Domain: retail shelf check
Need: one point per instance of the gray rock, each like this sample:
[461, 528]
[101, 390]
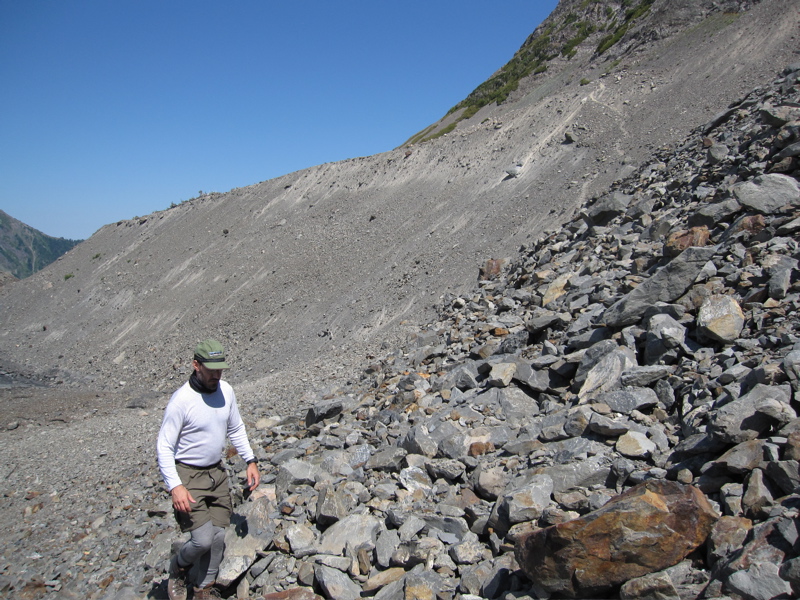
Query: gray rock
[609, 427]
[332, 505]
[251, 531]
[740, 420]
[643, 376]
[593, 471]
[666, 285]
[761, 581]
[538, 380]
[469, 552]
[780, 279]
[463, 377]
[354, 529]
[527, 503]
[388, 459]
[445, 468]
[296, 472]
[501, 374]
[302, 540]
[628, 399]
[418, 441]
[335, 584]
[635, 445]
[322, 411]
[768, 193]
[386, 545]
[653, 585]
[791, 365]
[606, 208]
[606, 374]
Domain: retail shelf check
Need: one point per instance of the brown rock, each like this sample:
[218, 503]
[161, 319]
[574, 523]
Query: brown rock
[727, 537]
[480, 448]
[753, 224]
[382, 579]
[650, 527]
[493, 267]
[679, 241]
[792, 451]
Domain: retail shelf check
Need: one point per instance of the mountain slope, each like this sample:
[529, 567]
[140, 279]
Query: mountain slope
[25, 250]
[311, 271]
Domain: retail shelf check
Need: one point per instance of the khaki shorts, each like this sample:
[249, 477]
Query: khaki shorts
[209, 488]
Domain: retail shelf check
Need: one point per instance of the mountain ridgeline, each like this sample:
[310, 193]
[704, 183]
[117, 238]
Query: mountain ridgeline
[25, 250]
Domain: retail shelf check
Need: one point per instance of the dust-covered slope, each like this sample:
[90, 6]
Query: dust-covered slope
[308, 272]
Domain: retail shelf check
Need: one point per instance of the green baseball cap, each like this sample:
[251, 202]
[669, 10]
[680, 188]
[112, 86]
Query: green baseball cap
[211, 354]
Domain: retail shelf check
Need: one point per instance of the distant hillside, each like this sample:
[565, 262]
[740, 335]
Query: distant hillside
[25, 250]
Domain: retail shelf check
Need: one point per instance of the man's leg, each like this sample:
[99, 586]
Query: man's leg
[219, 508]
[198, 523]
[211, 560]
[198, 545]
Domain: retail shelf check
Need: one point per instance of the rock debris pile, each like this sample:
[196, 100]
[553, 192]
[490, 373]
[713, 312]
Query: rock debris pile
[644, 356]
[612, 413]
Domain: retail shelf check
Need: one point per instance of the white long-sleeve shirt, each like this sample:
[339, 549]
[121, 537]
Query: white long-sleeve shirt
[194, 429]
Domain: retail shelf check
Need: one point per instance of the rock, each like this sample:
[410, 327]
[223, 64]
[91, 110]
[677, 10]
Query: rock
[652, 585]
[720, 318]
[293, 594]
[740, 420]
[635, 445]
[679, 241]
[662, 523]
[727, 536]
[754, 571]
[606, 208]
[323, 411]
[354, 529]
[628, 399]
[251, 530]
[501, 374]
[768, 193]
[606, 374]
[781, 273]
[335, 584]
[666, 285]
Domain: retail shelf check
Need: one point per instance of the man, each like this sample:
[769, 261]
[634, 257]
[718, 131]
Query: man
[197, 420]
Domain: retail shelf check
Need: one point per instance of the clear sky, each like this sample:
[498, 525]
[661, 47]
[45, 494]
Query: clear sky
[111, 109]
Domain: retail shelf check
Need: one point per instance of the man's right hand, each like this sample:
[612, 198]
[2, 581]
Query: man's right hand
[181, 499]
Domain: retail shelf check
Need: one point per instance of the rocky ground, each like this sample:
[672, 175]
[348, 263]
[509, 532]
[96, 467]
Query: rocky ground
[649, 346]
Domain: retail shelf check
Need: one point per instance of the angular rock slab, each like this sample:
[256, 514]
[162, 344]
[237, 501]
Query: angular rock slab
[742, 420]
[251, 530]
[650, 527]
[768, 193]
[666, 285]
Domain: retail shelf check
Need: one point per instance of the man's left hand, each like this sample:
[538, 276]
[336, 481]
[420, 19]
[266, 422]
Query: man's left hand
[253, 476]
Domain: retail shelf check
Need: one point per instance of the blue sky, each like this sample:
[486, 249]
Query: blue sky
[111, 109]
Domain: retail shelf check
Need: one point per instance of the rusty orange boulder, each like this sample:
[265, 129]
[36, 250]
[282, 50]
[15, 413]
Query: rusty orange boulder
[650, 527]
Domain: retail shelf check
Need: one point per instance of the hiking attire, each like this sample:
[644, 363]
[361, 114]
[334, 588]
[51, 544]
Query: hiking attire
[196, 423]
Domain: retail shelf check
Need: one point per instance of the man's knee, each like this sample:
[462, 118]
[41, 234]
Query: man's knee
[203, 537]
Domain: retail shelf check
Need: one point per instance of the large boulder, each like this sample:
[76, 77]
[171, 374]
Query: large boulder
[650, 527]
[768, 193]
